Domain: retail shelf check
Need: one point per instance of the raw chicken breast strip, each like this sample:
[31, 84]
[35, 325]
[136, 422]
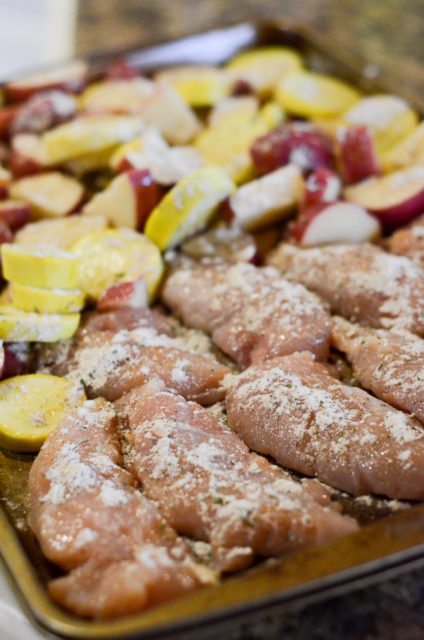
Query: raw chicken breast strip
[390, 363]
[91, 521]
[209, 486]
[361, 282]
[292, 409]
[110, 361]
[252, 313]
[409, 241]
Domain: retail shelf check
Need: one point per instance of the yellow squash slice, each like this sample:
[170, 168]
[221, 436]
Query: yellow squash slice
[262, 68]
[310, 95]
[188, 206]
[198, 86]
[46, 300]
[42, 265]
[32, 406]
[23, 326]
[117, 255]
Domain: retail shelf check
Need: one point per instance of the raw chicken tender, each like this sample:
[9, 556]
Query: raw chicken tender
[209, 486]
[90, 520]
[292, 409]
[409, 241]
[361, 282]
[252, 314]
[390, 363]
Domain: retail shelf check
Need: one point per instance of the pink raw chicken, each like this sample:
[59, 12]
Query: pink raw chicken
[210, 487]
[110, 361]
[390, 363]
[91, 521]
[292, 409]
[361, 282]
[409, 242]
[251, 313]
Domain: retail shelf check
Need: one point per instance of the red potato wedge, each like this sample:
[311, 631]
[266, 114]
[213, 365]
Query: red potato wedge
[168, 112]
[50, 195]
[60, 232]
[5, 181]
[43, 111]
[16, 358]
[127, 201]
[7, 115]
[133, 295]
[14, 213]
[267, 199]
[322, 186]
[395, 199]
[120, 70]
[299, 143]
[28, 155]
[1, 359]
[71, 77]
[358, 154]
[335, 222]
[119, 96]
[6, 234]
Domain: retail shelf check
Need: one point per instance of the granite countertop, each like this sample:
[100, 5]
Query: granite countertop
[389, 34]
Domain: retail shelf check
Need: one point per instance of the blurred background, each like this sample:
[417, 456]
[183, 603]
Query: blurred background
[33, 33]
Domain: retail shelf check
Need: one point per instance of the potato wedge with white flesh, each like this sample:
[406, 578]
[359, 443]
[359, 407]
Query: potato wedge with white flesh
[389, 118]
[262, 68]
[89, 134]
[166, 164]
[267, 199]
[395, 198]
[23, 326]
[128, 199]
[188, 207]
[32, 406]
[337, 222]
[60, 232]
[125, 295]
[166, 111]
[70, 77]
[308, 94]
[41, 265]
[198, 86]
[50, 195]
[28, 155]
[37, 300]
[116, 255]
[117, 96]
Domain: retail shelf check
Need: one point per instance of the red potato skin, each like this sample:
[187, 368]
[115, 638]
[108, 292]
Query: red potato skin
[315, 199]
[7, 115]
[147, 194]
[316, 188]
[14, 214]
[124, 165]
[13, 366]
[298, 227]
[20, 93]
[297, 142]
[38, 114]
[120, 296]
[400, 214]
[6, 234]
[120, 70]
[242, 88]
[358, 156]
[22, 166]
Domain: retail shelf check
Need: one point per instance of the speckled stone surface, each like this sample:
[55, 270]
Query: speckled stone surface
[389, 34]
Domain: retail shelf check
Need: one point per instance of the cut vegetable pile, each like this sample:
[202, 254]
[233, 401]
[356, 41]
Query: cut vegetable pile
[198, 277]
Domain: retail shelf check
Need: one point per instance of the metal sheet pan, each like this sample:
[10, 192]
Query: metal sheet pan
[386, 545]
